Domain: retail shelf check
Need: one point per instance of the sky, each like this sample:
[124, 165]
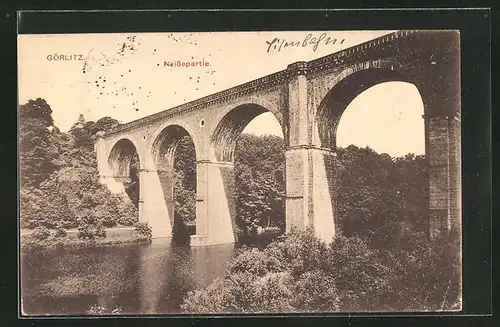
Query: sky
[123, 76]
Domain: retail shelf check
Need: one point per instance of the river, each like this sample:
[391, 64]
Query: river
[139, 278]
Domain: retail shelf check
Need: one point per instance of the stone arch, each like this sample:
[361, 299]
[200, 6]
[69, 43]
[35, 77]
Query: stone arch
[165, 144]
[124, 164]
[442, 130]
[166, 140]
[344, 91]
[232, 124]
[120, 157]
[163, 151]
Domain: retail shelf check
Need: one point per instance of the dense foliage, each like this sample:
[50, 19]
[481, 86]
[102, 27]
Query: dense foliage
[144, 229]
[381, 259]
[59, 179]
[299, 273]
[185, 181]
[380, 198]
[260, 182]
[37, 152]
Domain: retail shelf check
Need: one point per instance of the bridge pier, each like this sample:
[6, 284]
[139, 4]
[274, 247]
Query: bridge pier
[444, 159]
[152, 207]
[166, 178]
[310, 191]
[214, 203]
[309, 184]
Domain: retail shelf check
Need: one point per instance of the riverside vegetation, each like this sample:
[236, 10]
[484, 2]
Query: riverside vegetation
[60, 186]
[381, 259]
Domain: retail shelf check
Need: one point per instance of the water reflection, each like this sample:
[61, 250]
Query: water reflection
[139, 278]
[207, 265]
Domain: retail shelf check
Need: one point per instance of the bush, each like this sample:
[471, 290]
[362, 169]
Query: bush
[60, 232]
[208, 300]
[271, 280]
[363, 280]
[143, 229]
[69, 224]
[300, 273]
[29, 244]
[315, 291]
[257, 263]
[302, 251]
[90, 228]
[272, 293]
[40, 233]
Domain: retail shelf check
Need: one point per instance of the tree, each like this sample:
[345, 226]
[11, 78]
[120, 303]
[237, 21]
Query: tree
[379, 197]
[259, 180]
[133, 187]
[37, 154]
[86, 134]
[37, 109]
[102, 125]
[185, 180]
[60, 180]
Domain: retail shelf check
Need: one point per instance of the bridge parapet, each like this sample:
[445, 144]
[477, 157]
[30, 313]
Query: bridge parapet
[353, 54]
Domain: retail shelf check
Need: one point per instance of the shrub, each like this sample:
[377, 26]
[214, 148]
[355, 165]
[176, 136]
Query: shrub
[315, 291]
[143, 229]
[300, 273]
[40, 233]
[242, 292]
[209, 300]
[90, 228]
[302, 251]
[256, 262]
[108, 223]
[363, 280]
[29, 244]
[286, 276]
[69, 224]
[272, 293]
[60, 232]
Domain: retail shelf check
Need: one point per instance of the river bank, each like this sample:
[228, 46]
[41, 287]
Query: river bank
[117, 235]
[31, 242]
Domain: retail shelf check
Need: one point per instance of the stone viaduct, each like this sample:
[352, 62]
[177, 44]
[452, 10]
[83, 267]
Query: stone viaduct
[308, 99]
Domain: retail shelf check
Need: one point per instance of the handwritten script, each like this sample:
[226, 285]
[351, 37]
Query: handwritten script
[278, 44]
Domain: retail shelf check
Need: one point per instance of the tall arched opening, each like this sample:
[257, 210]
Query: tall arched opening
[174, 155]
[430, 172]
[249, 138]
[123, 162]
[381, 168]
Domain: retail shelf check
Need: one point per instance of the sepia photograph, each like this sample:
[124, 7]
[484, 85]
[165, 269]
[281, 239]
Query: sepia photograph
[240, 172]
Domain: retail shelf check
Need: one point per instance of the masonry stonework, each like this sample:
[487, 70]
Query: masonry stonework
[308, 99]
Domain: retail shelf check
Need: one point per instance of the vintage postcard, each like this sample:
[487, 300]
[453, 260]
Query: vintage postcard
[240, 172]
